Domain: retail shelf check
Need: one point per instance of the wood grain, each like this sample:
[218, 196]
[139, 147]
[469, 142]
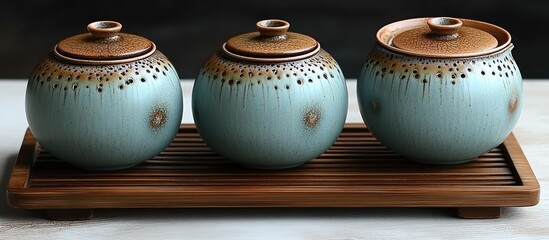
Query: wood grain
[357, 171]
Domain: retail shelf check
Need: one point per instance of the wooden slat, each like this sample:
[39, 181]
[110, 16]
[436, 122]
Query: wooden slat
[356, 171]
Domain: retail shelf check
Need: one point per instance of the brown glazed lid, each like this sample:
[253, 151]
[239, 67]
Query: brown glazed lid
[103, 44]
[271, 43]
[443, 37]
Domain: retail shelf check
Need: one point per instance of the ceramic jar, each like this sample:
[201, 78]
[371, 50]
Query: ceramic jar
[440, 90]
[104, 100]
[270, 99]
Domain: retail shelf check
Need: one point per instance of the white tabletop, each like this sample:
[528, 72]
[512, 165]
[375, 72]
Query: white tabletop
[532, 133]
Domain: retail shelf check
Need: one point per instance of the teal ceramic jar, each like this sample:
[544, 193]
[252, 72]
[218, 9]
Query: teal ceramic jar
[440, 90]
[270, 99]
[104, 100]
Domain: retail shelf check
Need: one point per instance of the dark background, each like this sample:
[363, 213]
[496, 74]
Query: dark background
[187, 32]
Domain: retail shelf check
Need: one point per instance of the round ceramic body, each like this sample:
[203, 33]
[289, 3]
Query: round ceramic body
[270, 115]
[104, 117]
[440, 110]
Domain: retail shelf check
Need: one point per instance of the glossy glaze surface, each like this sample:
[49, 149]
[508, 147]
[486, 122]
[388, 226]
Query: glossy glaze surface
[440, 111]
[270, 115]
[104, 117]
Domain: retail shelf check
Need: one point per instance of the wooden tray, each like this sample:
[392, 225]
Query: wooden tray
[357, 171]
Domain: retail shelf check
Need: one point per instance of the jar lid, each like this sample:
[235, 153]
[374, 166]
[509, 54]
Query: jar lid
[271, 43]
[443, 37]
[103, 44]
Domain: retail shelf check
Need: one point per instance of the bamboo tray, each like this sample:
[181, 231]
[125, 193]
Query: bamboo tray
[357, 171]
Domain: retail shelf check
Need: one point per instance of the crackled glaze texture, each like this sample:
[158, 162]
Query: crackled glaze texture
[440, 111]
[105, 117]
[270, 116]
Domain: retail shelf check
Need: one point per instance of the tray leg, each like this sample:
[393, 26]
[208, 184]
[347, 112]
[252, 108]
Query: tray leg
[69, 214]
[479, 212]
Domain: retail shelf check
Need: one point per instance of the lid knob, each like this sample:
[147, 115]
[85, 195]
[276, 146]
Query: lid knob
[444, 26]
[104, 29]
[272, 27]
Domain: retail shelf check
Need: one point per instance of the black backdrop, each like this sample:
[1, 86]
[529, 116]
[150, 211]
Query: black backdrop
[187, 32]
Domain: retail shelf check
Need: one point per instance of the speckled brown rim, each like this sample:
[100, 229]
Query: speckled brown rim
[385, 35]
[102, 62]
[270, 60]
